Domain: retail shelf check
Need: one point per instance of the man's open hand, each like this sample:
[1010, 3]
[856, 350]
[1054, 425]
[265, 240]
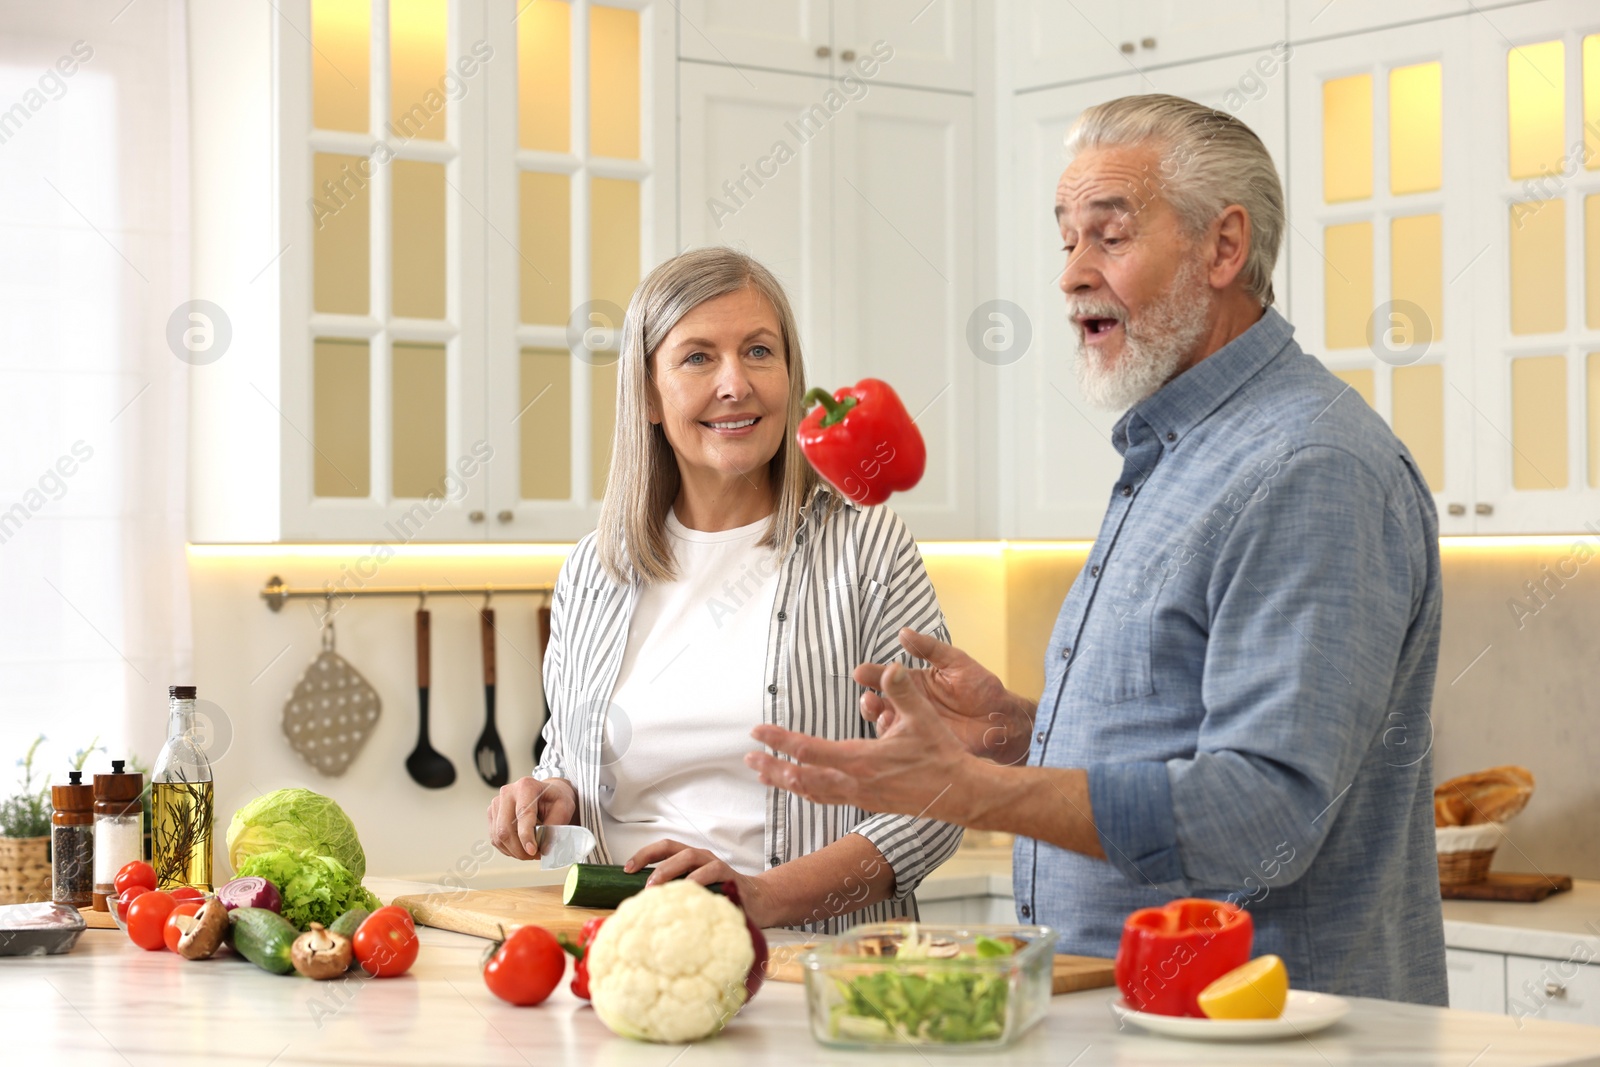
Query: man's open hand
[916, 766]
[989, 719]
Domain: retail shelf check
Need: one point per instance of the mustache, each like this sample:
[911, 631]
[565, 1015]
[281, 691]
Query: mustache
[1095, 307]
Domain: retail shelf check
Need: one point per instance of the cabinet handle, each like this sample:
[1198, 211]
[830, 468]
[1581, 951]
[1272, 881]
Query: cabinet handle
[474, 516]
[1457, 509]
[1484, 509]
[1148, 42]
[505, 516]
[823, 51]
[1126, 48]
[848, 55]
[1554, 989]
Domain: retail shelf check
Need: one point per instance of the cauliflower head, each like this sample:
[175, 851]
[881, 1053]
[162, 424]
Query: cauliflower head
[670, 965]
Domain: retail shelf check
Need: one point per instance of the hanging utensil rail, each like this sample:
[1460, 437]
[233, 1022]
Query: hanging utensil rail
[277, 594]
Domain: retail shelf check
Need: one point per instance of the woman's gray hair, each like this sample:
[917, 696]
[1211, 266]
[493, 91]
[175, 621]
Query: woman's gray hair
[1209, 161]
[643, 481]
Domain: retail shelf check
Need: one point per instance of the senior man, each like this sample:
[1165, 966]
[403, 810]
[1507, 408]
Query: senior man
[1237, 686]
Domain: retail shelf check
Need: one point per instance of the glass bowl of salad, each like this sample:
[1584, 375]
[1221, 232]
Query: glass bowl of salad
[929, 985]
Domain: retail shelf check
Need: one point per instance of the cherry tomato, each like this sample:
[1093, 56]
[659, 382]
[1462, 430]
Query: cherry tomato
[169, 930]
[386, 943]
[187, 893]
[119, 905]
[147, 919]
[134, 872]
[526, 967]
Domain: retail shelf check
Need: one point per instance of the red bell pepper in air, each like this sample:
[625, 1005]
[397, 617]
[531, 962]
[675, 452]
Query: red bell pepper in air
[862, 442]
[1169, 954]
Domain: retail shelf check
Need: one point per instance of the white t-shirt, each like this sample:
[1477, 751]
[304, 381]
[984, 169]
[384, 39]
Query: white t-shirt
[687, 696]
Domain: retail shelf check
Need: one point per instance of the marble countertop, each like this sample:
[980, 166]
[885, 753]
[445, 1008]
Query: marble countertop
[1563, 926]
[110, 1003]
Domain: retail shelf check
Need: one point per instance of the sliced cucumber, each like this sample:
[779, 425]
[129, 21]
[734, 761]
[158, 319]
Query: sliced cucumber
[602, 885]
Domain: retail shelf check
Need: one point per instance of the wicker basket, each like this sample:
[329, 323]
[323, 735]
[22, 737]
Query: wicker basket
[24, 869]
[1465, 852]
[1464, 868]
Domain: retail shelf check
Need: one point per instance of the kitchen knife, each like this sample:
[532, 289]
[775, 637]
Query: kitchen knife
[562, 846]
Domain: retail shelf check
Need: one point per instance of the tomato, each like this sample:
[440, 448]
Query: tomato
[119, 904]
[147, 919]
[188, 892]
[386, 943]
[525, 967]
[169, 930]
[134, 872]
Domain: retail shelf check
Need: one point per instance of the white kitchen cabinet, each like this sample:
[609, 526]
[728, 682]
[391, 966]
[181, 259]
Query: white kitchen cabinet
[1403, 282]
[1328, 18]
[864, 213]
[1381, 238]
[1061, 463]
[1536, 288]
[932, 41]
[1055, 43]
[1477, 980]
[1555, 990]
[371, 259]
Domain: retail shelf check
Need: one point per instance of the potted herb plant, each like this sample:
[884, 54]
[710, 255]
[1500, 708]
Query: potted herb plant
[25, 838]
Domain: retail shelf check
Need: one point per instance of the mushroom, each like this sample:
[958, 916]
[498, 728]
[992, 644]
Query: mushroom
[202, 933]
[320, 953]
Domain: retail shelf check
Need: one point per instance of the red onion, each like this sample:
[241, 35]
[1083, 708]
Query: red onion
[250, 893]
[758, 941]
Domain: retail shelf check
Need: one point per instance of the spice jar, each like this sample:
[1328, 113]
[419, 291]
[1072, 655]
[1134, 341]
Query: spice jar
[118, 828]
[72, 842]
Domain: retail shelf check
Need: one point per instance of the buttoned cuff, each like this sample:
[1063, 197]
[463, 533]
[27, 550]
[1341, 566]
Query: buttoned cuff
[1132, 804]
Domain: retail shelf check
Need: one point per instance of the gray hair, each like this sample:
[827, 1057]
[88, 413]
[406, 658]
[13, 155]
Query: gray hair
[643, 481]
[1210, 160]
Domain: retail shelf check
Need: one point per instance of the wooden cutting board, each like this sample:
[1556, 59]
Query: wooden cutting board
[1520, 888]
[483, 912]
[1071, 973]
[98, 920]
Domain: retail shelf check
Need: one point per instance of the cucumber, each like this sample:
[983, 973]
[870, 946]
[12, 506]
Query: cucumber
[263, 937]
[348, 923]
[600, 885]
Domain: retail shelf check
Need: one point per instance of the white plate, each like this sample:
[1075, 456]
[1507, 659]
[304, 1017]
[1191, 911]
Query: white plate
[1305, 1013]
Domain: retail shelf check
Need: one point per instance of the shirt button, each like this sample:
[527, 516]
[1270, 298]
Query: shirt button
[1025, 911]
[1094, 572]
[782, 615]
[772, 688]
[1127, 490]
[800, 538]
[1066, 653]
[1172, 436]
[1039, 737]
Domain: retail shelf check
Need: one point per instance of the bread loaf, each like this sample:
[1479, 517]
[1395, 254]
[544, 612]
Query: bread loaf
[1494, 795]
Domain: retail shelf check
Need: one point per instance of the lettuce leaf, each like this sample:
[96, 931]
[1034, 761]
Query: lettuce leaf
[295, 819]
[314, 888]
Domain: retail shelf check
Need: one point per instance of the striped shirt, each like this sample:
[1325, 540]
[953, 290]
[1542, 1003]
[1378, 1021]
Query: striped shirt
[846, 586]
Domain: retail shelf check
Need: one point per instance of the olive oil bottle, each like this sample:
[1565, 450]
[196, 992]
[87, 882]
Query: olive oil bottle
[182, 803]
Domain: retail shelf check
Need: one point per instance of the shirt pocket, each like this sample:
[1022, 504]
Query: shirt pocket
[874, 595]
[1116, 650]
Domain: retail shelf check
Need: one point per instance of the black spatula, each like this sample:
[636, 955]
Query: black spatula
[427, 767]
[490, 755]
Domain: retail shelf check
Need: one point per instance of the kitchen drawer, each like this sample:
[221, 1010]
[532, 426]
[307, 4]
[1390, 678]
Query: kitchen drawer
[1558, 990]
[1477, 980]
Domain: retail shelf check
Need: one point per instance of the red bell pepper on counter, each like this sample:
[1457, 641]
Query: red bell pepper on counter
[862, 442]
[580, 952]
[1169, 954]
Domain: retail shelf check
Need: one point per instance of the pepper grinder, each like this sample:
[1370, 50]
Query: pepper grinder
[118, 828]
[72, 842]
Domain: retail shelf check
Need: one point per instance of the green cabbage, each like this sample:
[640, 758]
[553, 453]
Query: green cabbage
[314, 888]
[295, 819]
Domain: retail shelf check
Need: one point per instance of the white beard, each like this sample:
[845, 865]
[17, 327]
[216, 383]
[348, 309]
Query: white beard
[1155, 344]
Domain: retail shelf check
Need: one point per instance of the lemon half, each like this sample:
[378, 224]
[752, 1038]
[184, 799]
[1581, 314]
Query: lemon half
[1257, 990]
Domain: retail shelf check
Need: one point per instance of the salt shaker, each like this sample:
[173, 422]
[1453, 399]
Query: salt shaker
[118, 828]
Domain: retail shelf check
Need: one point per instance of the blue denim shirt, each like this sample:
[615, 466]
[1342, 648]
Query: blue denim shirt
[1245, 667]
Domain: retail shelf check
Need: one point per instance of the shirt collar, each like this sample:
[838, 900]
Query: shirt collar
[1183, 403]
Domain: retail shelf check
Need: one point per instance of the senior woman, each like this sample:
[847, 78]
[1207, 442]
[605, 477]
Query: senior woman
[727, 586]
